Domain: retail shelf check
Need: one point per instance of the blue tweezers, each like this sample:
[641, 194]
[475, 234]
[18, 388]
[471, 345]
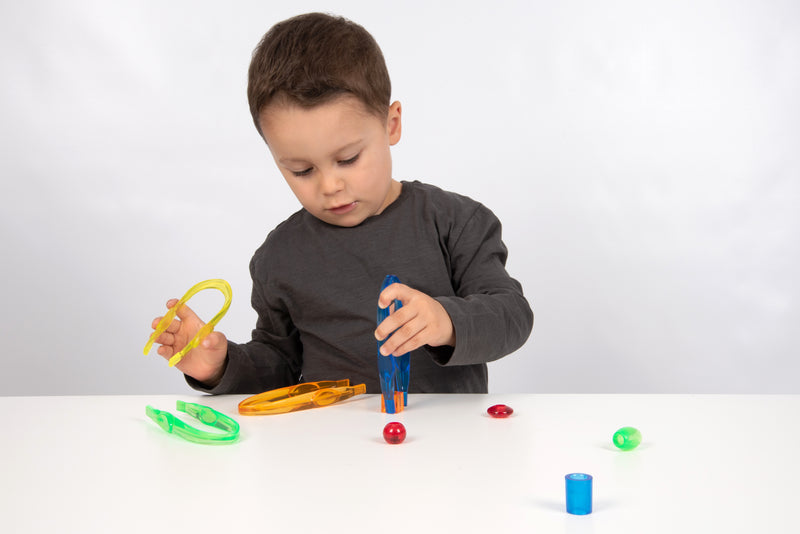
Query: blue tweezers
[393, 371]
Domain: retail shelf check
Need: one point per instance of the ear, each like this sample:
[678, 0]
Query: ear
[393, 123]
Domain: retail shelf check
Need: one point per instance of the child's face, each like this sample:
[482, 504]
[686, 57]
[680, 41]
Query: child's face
[335, 157]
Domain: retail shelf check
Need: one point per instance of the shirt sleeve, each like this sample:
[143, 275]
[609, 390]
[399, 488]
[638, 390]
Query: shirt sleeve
[272, 359]
[490, 314]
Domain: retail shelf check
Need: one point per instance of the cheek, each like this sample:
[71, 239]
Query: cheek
[381, 165]
[302, 190]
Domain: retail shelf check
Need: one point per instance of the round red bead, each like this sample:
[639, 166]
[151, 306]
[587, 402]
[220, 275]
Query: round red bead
[394, 433]
[500, 411]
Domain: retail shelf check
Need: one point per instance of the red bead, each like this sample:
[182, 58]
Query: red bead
[394, 433]
[500, 411]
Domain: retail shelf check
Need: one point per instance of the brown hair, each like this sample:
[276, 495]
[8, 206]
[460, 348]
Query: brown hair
[313, 58]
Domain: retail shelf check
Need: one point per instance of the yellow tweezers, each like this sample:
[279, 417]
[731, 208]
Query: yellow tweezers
[206, 329]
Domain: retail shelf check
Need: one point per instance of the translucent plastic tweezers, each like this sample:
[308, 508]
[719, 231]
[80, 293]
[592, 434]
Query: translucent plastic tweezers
[217, 283]
[394, 372]
[300, 397]
[204, 414]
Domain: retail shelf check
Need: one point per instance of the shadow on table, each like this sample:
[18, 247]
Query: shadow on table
[560, 506]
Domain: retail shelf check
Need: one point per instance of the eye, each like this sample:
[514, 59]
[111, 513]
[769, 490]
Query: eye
[350, 161]
[304, 172]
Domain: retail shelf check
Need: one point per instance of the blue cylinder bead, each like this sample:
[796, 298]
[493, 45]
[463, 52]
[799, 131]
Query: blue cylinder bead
[579, 493]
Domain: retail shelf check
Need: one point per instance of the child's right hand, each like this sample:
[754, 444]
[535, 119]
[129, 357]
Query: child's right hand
[206, 362]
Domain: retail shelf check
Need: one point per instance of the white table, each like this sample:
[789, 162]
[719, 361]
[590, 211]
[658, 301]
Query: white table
[707, 464]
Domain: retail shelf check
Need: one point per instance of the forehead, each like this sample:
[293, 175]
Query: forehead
[345, 106]
[289, 128]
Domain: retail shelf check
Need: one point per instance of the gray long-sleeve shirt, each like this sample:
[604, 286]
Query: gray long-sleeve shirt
[316, 286]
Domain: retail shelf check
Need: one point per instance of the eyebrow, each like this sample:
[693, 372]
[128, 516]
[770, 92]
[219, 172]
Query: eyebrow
[344, 148]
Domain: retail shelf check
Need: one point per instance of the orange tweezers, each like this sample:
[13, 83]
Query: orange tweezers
[300, 397]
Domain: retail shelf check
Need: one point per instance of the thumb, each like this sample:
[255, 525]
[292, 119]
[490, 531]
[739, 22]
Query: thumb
[214, 340]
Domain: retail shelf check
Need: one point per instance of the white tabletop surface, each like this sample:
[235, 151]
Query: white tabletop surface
[707, 463]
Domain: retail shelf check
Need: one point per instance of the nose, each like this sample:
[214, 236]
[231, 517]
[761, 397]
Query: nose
[330, 183]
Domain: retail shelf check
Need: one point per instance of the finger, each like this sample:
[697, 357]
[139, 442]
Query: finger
[406, 336]
[393, 322]
[165, 351]
[165, 338]
[172, 328]
[412, 343]
[185, 313]
[394, 292]
[418, 334]
[157, 320]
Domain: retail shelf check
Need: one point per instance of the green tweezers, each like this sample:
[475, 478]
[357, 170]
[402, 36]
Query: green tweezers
[204, 414]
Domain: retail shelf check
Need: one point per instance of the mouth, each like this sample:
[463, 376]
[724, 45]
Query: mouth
[343, 208]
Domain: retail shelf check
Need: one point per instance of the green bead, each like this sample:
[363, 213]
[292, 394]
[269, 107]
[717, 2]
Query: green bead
[627, 438]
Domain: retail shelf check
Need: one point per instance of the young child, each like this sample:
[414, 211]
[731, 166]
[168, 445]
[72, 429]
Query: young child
[319, 94]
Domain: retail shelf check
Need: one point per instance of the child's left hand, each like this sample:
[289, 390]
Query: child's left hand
[421, 321]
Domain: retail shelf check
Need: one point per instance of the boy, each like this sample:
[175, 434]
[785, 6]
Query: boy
[319, 94]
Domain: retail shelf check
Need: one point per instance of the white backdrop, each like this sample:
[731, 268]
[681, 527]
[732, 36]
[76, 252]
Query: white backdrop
[643, 157]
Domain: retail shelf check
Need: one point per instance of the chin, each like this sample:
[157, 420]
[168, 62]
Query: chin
[344, 222]
[348, 223]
